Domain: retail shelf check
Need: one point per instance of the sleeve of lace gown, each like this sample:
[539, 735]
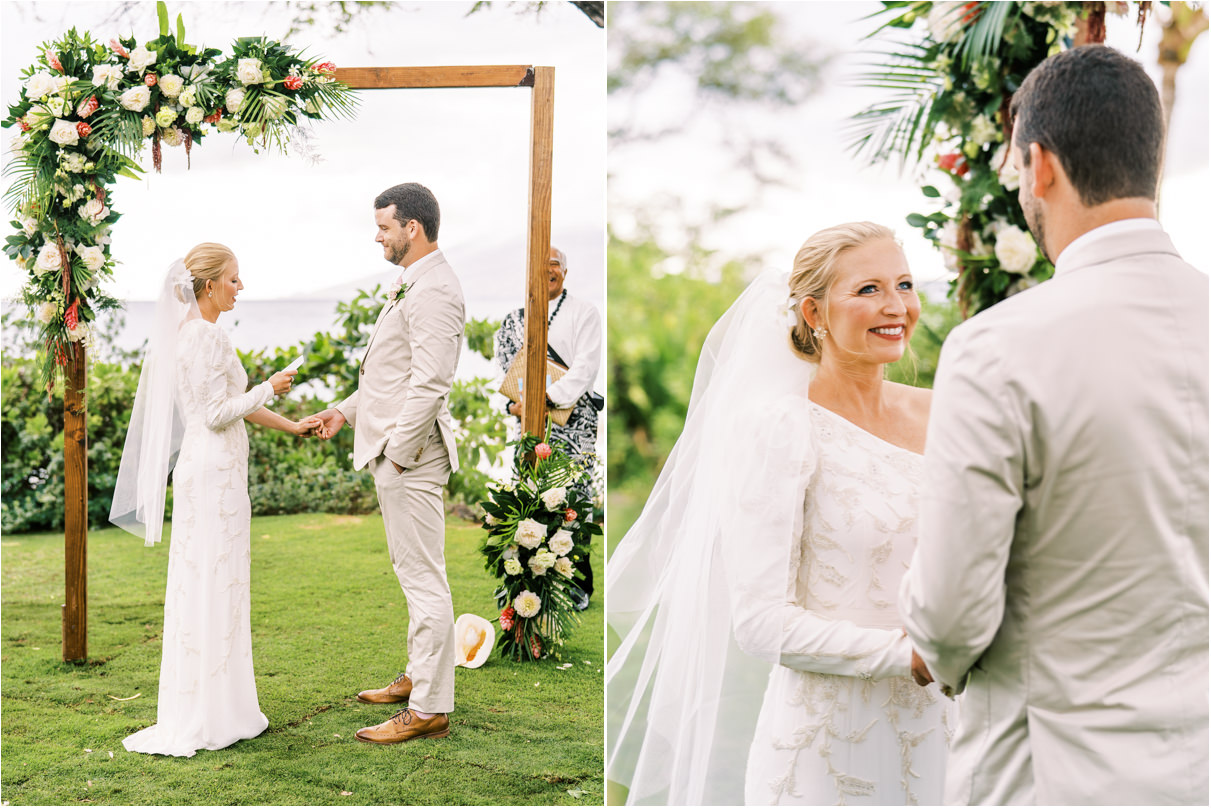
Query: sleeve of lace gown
[207, 373]
[760, 548]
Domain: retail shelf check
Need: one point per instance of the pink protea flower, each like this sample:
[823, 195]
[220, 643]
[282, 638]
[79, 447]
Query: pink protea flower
[543, 451]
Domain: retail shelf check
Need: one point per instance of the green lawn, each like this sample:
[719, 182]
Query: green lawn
[328, 620]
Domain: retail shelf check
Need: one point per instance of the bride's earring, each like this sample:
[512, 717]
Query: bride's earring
[819, 333]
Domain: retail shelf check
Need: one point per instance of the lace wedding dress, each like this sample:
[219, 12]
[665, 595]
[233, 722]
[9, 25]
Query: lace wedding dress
[207, 694]
[842, 721]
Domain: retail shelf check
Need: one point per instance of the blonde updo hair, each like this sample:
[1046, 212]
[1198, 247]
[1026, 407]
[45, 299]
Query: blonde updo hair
[206, 262]
[815, 272]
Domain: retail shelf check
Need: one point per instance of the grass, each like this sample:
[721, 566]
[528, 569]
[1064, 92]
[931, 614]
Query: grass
[328, 619]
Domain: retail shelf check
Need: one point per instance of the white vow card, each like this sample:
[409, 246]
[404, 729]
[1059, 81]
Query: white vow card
[295, 364]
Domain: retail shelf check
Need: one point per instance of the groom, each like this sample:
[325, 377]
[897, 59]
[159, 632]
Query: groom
[402, 429]
[1061, 572]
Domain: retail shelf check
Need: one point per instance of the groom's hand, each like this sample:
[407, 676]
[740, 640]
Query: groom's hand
[920, 673]
[332, 423]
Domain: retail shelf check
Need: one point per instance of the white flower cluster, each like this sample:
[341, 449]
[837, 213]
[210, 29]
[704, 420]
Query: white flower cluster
[554, 498]
[527, 604]
[1015, 249]
[249, 71]
[530, 533]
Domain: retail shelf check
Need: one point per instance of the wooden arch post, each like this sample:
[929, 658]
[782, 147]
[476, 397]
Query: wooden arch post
[538, 246]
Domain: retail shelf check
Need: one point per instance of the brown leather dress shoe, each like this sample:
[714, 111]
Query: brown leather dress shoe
[405, 726]
[397, 691]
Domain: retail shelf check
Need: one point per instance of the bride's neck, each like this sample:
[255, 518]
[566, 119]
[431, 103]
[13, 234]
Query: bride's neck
[209, 311]
[849, 389]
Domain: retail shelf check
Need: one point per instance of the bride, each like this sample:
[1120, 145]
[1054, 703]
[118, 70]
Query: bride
[761, 657]
[189, 412]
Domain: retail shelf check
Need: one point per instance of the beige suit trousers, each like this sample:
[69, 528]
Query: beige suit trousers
[415, 521]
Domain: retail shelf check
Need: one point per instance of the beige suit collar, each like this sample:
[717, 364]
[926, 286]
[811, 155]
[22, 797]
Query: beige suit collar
[1111, 243]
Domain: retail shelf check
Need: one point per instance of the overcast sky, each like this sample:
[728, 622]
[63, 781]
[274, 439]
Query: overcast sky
[306, 229]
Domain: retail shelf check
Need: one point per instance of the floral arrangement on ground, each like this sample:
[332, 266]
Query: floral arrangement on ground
[87, 110]
[537, 526]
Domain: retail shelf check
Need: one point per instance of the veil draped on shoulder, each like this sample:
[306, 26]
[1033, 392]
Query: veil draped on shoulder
[698, 588]
[154, 435]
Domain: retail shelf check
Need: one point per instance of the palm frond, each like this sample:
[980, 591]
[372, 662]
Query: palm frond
[984, 36]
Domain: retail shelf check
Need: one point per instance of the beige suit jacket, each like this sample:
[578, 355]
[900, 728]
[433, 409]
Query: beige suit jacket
[1062, 560]
[408, 370]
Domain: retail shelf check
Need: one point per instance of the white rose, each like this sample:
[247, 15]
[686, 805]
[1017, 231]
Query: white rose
[171, 85]
[79, 332]
[553, 498]
[135, 99]
[510, 552]
[1007, 172]
[1015, 249]
[64, 133]
[93, 257]
[194, 115]
[49, 259]
[94, 211]
[107, 76]
[530, 533]
[561, 543]
[527, 604]
[542, 561]
[564, 567]
[248, 71]
[39, 86]
[512, 566]
[73, 162]
[188, 97]
[233, 100]
[47, 311]
[140, 59]
[29, 225]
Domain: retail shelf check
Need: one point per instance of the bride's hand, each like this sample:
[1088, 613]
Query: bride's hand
[307, 426]
[920, 673]
[281, 381]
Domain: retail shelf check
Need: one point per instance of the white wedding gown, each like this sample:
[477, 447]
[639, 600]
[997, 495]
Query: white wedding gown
[207, 694]
[842, 721]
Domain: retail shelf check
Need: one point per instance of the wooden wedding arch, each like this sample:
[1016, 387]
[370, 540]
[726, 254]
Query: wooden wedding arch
[541, 81]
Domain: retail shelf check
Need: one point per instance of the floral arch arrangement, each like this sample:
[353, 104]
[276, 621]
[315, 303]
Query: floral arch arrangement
[86, 112]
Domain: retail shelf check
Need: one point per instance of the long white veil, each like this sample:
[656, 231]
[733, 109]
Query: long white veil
[154, 435]
[698, 588]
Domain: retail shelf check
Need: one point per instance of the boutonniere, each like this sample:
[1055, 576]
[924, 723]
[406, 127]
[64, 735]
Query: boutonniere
[396, 291]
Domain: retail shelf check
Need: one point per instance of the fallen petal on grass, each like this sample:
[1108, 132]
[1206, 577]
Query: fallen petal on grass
[575, 793]
[128, 698]
[346, 793]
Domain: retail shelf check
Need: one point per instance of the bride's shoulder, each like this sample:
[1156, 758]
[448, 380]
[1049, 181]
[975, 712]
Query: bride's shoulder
[914, 400]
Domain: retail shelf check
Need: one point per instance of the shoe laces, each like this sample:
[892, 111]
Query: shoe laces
[404, 717]
[399, 678]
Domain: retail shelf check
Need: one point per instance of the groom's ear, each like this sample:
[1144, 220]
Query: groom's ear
[1043, 167]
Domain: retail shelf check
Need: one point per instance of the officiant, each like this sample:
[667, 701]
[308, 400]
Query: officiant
[573, 341]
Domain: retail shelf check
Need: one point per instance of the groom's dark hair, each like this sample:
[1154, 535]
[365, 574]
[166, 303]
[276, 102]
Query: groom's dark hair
[412, 201]
[1100, 114]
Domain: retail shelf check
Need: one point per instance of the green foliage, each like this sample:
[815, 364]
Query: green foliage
[327, 620]
[656, 327]
[285, 474]
[920, 363]
[480, 335]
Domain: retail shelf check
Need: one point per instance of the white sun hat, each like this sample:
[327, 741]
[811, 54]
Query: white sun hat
[473, 640]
